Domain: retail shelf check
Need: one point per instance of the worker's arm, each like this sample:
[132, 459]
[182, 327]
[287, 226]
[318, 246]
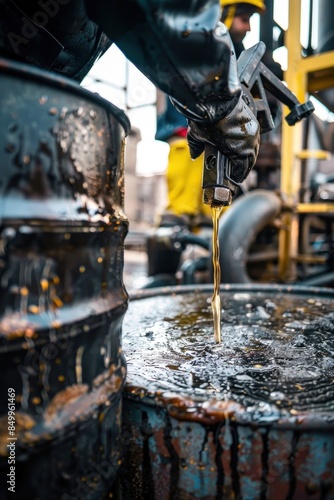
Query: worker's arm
[179, 46]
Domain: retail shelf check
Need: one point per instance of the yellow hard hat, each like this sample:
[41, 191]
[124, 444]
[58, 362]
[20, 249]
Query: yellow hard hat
[258, 4]
[230, 9]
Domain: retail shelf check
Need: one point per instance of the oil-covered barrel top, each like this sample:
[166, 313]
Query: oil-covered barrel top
[276, 357]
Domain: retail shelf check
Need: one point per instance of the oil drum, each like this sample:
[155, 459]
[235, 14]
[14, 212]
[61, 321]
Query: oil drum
[62, 298]
[248, 418]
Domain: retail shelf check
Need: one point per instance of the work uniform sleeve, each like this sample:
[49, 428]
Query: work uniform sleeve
[180, 46]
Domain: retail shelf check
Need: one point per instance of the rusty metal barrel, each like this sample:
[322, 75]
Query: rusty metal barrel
[250, 418]
[62, 298]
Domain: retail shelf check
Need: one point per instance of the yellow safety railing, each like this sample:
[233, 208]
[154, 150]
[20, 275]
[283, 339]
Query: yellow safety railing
[303, 76]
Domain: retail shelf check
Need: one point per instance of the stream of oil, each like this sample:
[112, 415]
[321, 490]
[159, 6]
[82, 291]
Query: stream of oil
[215, 301]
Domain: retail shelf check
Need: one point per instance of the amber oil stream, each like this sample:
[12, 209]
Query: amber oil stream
[215, 301]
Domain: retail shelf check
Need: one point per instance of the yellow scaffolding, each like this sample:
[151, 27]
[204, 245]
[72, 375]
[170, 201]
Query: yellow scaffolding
[303, 76]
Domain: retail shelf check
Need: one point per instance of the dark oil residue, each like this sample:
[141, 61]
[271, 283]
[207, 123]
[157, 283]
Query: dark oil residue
[276, 355]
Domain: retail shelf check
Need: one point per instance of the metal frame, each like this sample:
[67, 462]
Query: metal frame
[304, 75]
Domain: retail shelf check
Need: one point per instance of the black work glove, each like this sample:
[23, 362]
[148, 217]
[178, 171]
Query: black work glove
[237, 136]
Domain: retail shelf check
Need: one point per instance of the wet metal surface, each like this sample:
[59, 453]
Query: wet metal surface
[251, 417]
[62, 297]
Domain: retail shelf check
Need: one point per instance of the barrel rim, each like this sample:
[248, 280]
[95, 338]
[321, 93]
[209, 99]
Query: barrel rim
[61, 82]
[304, 422]
[301, 290]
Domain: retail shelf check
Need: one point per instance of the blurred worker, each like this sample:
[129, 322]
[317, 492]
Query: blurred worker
[184, 175]
[236, 17]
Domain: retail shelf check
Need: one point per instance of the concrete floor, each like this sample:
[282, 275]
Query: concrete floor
[135, 256]
[136, 261]
[135, 269]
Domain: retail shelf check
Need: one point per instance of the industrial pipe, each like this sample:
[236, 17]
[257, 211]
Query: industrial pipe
[239, 227]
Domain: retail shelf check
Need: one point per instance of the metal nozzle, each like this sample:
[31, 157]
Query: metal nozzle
[217, 188]
[217, 196]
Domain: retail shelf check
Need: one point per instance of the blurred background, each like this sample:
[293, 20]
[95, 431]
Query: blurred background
[299, 37]
[119, 81]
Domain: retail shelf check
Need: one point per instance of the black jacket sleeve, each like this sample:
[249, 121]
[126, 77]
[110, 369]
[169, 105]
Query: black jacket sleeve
[180, 46]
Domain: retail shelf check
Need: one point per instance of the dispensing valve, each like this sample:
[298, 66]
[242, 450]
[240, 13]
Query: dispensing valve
[218, 189]
[255, 77]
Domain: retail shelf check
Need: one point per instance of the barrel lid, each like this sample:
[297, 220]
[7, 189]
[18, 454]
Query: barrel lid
[275, 364]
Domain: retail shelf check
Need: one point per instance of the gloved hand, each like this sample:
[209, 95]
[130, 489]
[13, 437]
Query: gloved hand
[237, 136]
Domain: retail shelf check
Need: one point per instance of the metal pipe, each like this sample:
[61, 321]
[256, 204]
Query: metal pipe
[318, 280]
[239, 228]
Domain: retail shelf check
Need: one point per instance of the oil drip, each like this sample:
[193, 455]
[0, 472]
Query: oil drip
[216, 212]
